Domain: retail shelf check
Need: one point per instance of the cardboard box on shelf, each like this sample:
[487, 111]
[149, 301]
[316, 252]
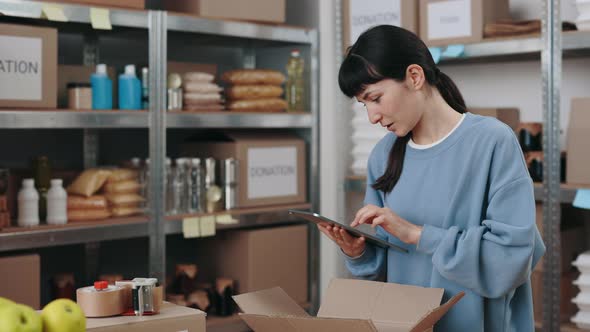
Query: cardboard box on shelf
[510, 116]
[271, 165]
[28, 66]
[358, 17]
[568, 292]
[445, 22]
[573, 236]
[134, 4]
[186, 67]
[349, 305]
[273, 11]
[21, 279]
[170, 318]
[578, 134]
[260, 259]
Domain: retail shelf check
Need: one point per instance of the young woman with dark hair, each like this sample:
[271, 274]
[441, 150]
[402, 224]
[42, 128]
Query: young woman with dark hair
[450, 186]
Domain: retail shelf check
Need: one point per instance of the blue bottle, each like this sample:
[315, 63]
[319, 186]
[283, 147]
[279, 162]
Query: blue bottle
[129, 90]
[102, 89]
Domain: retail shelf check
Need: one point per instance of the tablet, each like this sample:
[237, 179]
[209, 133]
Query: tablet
[317, 219]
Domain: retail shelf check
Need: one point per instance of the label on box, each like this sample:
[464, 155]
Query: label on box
[272, 172]
[449, 19]
[21, 68]
[363, 15]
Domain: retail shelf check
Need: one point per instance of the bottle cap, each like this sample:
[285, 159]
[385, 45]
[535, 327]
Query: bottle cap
[130, 70]
[295, 53]
[101, 69]
[28, 183]
[56, 182]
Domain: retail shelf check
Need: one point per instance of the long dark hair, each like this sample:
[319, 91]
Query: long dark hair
[386, 51]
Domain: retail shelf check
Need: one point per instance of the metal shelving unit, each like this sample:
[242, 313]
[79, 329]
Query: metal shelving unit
[157, 25]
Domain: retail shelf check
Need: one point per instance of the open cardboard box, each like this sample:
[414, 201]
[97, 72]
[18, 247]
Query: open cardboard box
[349, 305]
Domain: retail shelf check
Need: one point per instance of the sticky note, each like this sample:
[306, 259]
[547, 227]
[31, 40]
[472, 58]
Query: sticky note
[191, 227]
[435, 52]
[53, 13]
[453, 51]
[225, 219]
[100, 19]
[582, 199]
[208, 226]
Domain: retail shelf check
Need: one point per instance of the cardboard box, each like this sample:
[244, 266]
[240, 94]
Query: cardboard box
[135, 4]
[185, 67]
[272, 166]
[28, 66]
[573, 236]
[510, 116]
[172, 318]
[349, 305]
[568, 292]
[445, 22]
[273, 11]
[357, 17]
[21, 279]
[578, 134]
[260, 259]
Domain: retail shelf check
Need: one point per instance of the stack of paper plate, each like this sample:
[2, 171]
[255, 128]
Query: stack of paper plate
[582, 318]
[364, 137]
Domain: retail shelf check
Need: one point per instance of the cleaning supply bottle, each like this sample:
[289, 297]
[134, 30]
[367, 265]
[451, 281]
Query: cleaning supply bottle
[295, 84]
[102, 89]
[28, 204]
[57, 203]
[129, 90]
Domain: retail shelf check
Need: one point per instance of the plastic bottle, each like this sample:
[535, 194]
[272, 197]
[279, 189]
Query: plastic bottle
[102, 89]
[28, 204]
[57, 203]
[129, 90]
[295, 88]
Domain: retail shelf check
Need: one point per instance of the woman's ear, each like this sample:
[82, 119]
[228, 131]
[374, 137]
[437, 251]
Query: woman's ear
[415, 78]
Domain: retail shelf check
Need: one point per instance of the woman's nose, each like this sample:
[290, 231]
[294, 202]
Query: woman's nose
[374, 116]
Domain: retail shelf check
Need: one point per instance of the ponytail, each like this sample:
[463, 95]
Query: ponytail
[395, 163]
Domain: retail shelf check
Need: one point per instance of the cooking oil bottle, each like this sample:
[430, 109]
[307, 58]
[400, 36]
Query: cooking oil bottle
[295, 85]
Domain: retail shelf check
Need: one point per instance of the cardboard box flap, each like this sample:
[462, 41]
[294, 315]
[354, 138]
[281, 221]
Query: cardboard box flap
[269, 302]
[346, 298]
[580, 113]
[384, 302]
[435, 315]
[260, 323]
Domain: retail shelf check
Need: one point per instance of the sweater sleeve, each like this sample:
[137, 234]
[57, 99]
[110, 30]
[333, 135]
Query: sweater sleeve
[371, 264]
[497, 256]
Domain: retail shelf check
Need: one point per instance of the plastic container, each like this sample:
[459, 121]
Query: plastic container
[102, 89]
[582, 320]
[28, 204]
[129, 90]
[295, 86]
[582, 301]
[582, 263]
[583, 283]
[57, 203]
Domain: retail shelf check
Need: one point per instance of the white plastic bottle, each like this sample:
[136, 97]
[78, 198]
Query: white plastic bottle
[57, 203]
[28, 204]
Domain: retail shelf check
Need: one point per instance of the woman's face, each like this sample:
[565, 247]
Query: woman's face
[392, 104]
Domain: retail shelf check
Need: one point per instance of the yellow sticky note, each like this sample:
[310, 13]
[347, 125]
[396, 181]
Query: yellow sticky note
[208, 226]
[100, 19]
[53, 13]
[191, 227]
[226, 219]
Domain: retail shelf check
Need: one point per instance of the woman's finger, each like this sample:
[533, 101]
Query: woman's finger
[346, 238]
[378, 221]
[368, 216]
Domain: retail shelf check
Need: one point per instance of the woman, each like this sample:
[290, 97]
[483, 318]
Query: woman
[450, 186]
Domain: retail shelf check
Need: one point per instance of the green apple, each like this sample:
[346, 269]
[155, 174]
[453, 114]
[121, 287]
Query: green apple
[4, 301]
[63, 315]
[19, 318]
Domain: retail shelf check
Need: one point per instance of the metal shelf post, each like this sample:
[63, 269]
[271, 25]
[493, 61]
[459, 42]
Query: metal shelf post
[551, 75]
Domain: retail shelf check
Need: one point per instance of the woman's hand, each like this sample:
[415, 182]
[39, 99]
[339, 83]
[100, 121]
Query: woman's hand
[351, 246]
[391, 223]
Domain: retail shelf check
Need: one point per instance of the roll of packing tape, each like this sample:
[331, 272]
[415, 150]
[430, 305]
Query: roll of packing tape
[101, 303]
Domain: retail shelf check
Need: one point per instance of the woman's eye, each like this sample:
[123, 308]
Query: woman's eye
[376, 100]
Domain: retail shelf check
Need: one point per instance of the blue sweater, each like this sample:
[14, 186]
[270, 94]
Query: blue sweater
[474, 198]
